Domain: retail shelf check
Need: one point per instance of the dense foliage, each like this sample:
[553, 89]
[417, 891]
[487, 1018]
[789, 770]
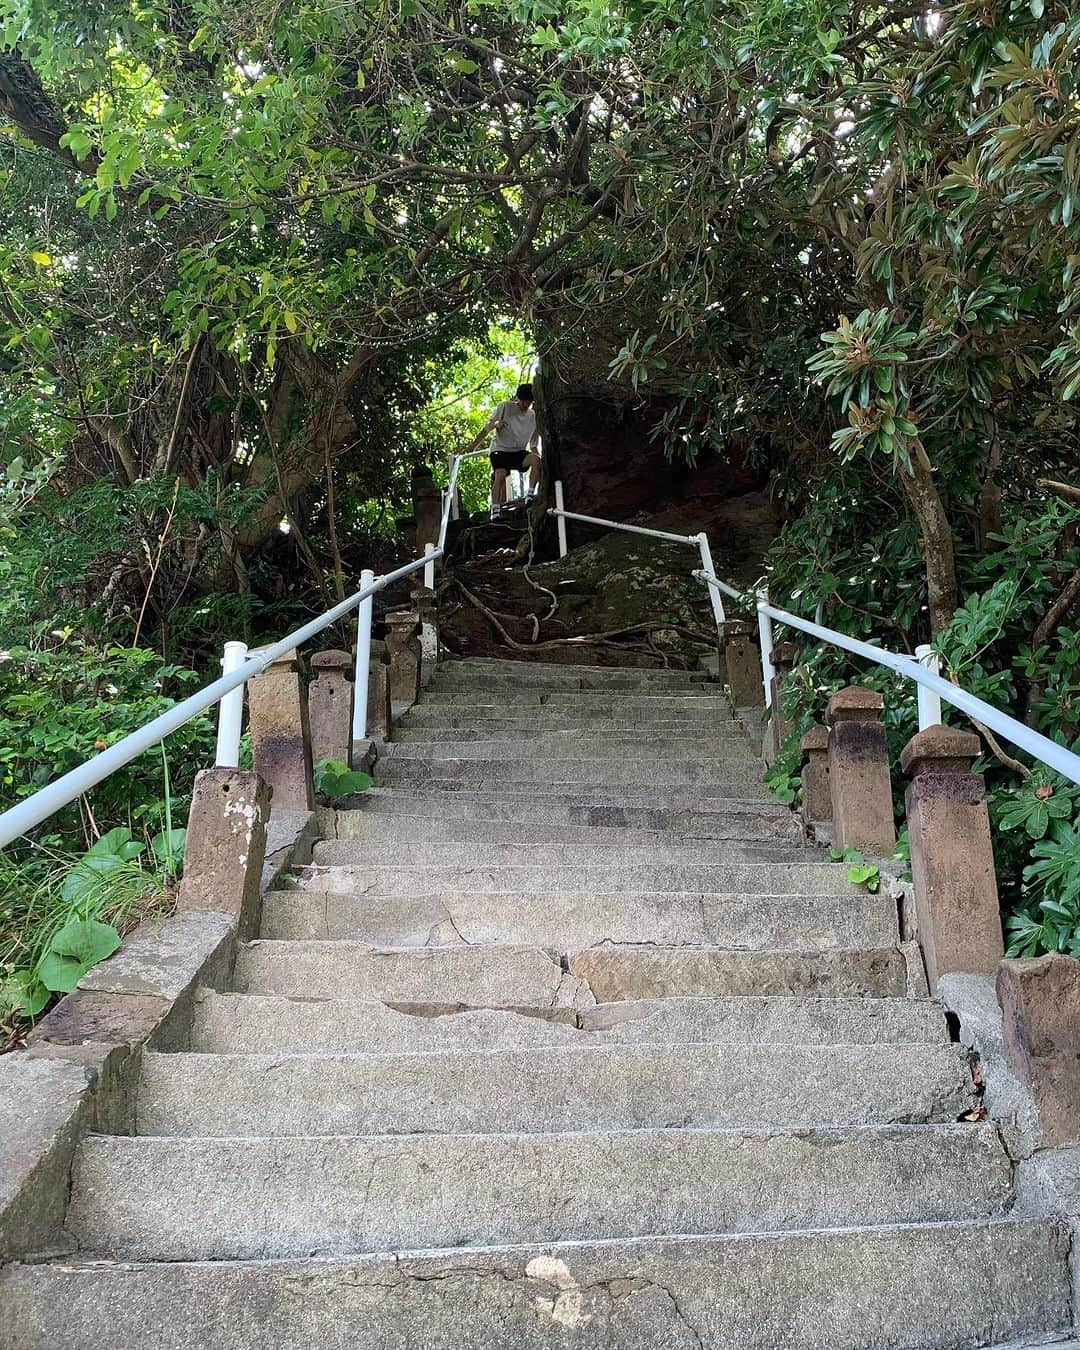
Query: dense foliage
[260, 261]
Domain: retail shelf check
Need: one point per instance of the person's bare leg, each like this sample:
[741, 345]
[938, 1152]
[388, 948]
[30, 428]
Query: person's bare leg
[532, 463]
[498, 487]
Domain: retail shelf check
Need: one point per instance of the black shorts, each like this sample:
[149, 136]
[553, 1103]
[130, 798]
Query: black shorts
[508, 459]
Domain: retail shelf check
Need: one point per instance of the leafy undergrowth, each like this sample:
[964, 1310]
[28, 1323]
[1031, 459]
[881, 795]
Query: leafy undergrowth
[62, 914]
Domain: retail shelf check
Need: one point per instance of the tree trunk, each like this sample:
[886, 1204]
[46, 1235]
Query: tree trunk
[941, 586]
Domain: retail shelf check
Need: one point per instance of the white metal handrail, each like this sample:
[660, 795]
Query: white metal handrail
[63, 791]
[1032, 742]
[698, 541]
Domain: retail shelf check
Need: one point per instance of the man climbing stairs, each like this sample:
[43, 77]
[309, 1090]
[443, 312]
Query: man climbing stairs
[562, 1040]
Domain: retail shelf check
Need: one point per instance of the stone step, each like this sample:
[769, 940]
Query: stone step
[709, 699]
[567, 745]
[575, 919]
[380, 830]
[549, 1089]
[453, 677]
[490, 854]
[613, 973]
[710, 777]
[545, 876]
[556, 668]
[567, 715]
[249, 1199]
[529, 977]
[900, 1287]
[594, 736]
[253, 1023]
[700, 818]
[484, 977]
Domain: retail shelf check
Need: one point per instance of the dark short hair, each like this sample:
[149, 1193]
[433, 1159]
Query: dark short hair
[525, 392]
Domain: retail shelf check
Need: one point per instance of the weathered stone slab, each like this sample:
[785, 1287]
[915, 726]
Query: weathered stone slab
[165, 957]
[934, 1287]
[249, 1199]
[43, 1111]
[252, 1023]
[504, 976]
[553, 1089]
[581, 919]
[644, 972]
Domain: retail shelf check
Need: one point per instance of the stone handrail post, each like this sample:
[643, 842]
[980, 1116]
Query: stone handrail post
[859, 784]
[403, 647]
[952, 859]
[816, 801]
[226, 845]
[424, 602]
[281, 735]
[1040, 1004]
[330, 696]
[379, 722]
[743, 665]
[784, 656]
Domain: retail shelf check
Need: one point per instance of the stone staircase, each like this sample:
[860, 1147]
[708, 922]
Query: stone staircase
[563, 1040]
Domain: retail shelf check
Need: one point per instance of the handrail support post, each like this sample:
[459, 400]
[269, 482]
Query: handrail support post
[702, 541]
[560, 520]
[363, 659]
[231, 710]
[929, 702]
[765, 641]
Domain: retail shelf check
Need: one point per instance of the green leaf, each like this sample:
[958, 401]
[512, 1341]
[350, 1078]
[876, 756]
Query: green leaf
[73, 950]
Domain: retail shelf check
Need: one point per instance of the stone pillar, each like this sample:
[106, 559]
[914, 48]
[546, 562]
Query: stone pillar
[424, 603]
[378, 695]
[816, 802]
[330, 706]
[952, 860]
[427, 509]
[403, 646]
[281, 736]
[225, 847]
[1040, 1005]
[743, 665]
[859, 785]
[784, 656]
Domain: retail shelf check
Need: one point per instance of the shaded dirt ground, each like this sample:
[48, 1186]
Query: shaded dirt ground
[616, 599]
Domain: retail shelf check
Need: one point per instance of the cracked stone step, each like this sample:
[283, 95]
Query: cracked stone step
[581, 919]
[487, 853]
[704, 819]
[540, 776]
[566, 744]
[554, 1088]
[483, 976]
[252, 1023]
[901, 1287]
[527, 977]
[374, 829]
[543, 876]
[246, 1199]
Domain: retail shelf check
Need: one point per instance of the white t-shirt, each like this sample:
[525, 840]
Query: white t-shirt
[519, 429]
